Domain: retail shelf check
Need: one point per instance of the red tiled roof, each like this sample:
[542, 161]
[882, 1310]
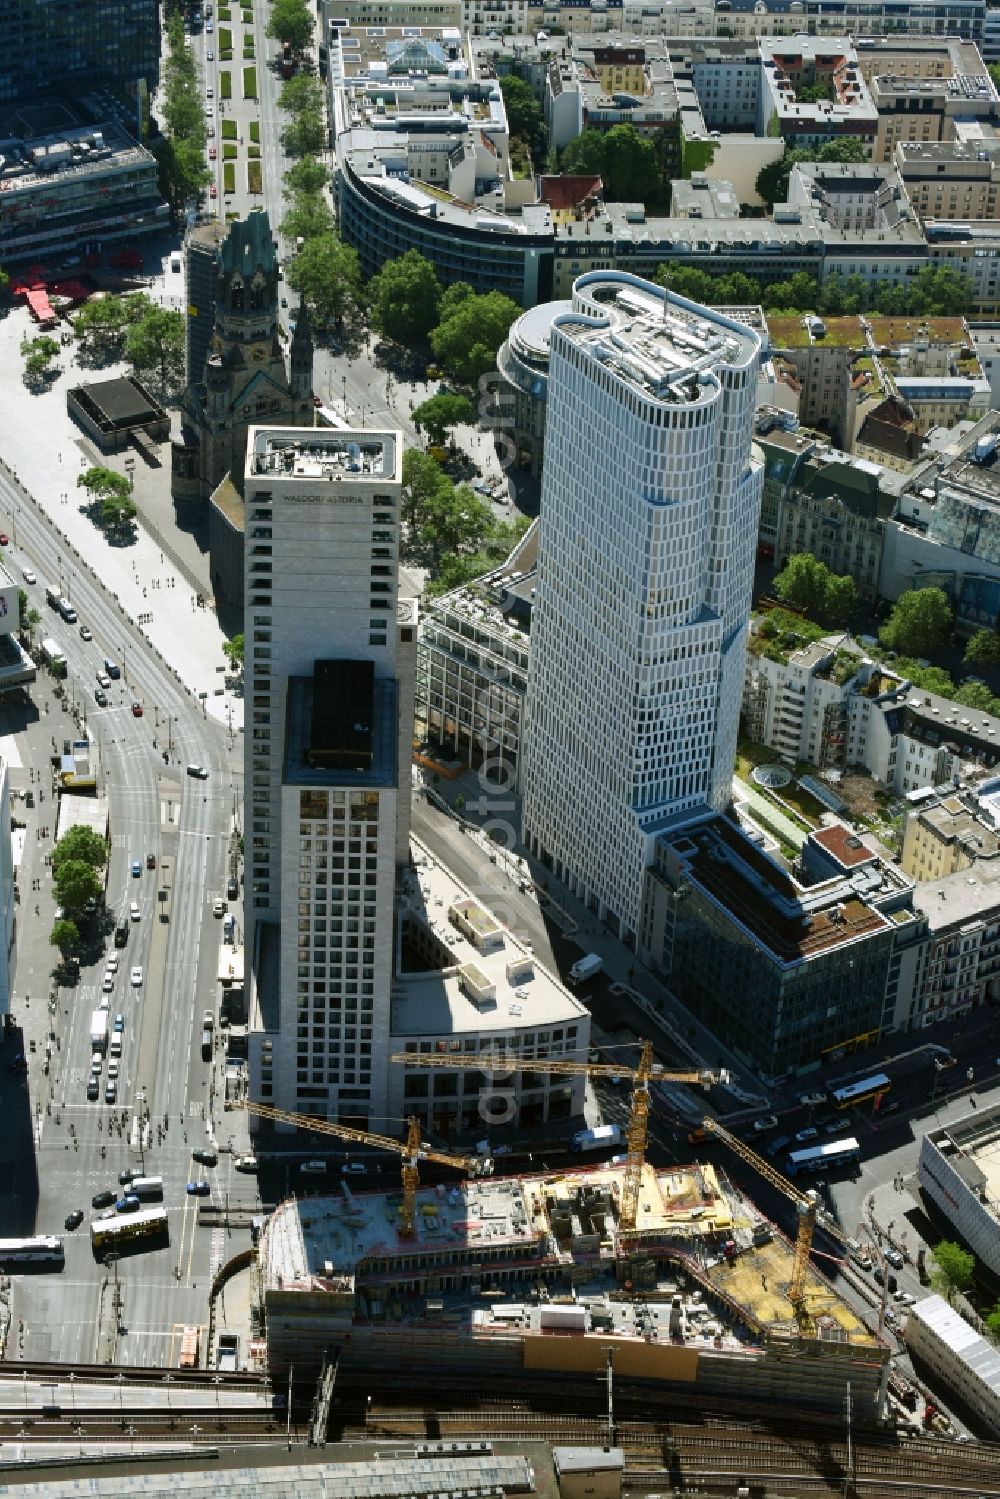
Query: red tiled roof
[569, 192]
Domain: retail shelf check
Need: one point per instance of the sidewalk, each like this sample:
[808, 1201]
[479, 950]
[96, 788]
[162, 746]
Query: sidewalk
[45, 451]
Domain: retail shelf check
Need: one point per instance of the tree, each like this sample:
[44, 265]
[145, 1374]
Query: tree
[403, 298]
[80, 842]
[118, 513]
[302, 94]
[440, 518]
[841, 602]
[439, 414]
[939, 291]
[327, 274]
[524, 113]
[39, 354]
[305, 176]
[180, 152]
[803, 583]
[291, 22]
[630, 171]
[983, 649]
[234, 651]
[102, 482]
[976, 695]
[920, 623]
[304, 135]
[76, 885]
[467, 340]
[310, 217]
[154, 344]
[953, 1269]
[772, 180]
[65, 935]
[584, 156]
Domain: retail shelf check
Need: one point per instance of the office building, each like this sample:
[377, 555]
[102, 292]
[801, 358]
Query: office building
[48, 44]
[201, 274]
[783, 971]
[329, 691]
[649, 511]
[959, 1174]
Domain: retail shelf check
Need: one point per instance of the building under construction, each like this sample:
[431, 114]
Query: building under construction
[536, 1273]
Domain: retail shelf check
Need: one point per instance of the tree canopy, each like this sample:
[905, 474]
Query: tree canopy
[953, 1267]
[154, 346]
[180, 152]
[983, 649]
[806, 583]
[470, 333]
[290, 21]
[327, 274]
[80, 842]
[403, 298]
[625, 160]
[936, 291]
[920, 622]
[110, 498]
[524, 113]
[307, 175]
[39, 356]
[234, 651]
[440, 413]
[76, 885]
[65, 935]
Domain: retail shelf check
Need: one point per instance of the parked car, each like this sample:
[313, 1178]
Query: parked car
[102, 1199]
[811, 1133]
[233, 887]
[894, 1258]
[766, 1121]
[218, 907]
[812, 1100]
[74, 1219]
[838, 1126]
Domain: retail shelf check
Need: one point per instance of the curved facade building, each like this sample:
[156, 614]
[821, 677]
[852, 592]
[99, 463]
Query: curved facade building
[382, 218]
[649, 511]
[523, 362]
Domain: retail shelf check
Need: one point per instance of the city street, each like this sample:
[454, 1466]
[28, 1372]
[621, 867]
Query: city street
[185, 823]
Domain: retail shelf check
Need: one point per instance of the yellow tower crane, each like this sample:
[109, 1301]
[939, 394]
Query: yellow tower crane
[637, 1130]
[806, 1206]
[412, 1150]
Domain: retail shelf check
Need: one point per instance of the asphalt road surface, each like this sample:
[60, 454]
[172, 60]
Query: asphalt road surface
[185, 823]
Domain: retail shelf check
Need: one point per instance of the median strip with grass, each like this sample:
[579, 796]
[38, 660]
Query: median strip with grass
[254, 177]
[249, 83]
[229, 177]
[230, 130]
[225, 85]
[255, 132]
[225, 39]
[229, 151]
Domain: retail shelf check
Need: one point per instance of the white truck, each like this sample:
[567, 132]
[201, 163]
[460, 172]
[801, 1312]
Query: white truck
[604, 1137]
[53, 657]
[99, 1030]
[586, 967]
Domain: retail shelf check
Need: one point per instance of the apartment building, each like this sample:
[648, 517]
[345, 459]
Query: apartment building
[330, 660]
[829, 704]
[948, 831]
[945, 527]
[811, 90]
[924, 110]
[951, 179]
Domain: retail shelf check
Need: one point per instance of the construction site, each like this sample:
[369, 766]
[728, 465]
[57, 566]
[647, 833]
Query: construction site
[536, 1273]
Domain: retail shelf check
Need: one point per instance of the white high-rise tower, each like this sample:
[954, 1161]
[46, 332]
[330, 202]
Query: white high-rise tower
[330, 658]
[649, 513]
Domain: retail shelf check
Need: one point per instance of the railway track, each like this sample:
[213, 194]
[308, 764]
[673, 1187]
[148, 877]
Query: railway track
[206, 1428]
[718, 1455]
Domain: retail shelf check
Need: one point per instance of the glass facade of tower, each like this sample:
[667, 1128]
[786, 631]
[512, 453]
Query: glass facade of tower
[47, 43]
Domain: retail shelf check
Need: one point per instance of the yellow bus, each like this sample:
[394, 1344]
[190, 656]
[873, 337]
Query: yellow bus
[125, 1228]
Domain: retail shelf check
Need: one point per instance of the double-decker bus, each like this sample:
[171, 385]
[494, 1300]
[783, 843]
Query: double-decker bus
[44, 1250]
[860, 1092]
[127, 1228]
[826, 1157]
